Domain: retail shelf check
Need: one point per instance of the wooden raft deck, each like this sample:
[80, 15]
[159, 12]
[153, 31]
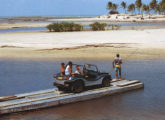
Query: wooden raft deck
[53, 97]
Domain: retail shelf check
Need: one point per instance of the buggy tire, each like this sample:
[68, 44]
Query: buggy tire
[106, 82]
[77, 87]
[60, 88]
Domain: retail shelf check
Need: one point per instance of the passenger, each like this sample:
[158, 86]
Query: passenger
[78, 70]
[68, 70]
[117, 65]
[62, 69]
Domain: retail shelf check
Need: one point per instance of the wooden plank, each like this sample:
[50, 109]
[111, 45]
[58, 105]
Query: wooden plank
[33, 100]
[69, 98]
[115, 80]
[38, 92]
[128, 83]
[19, 96]
[7, 98]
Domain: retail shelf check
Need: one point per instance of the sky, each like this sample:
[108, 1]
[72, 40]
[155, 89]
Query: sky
[12, 8]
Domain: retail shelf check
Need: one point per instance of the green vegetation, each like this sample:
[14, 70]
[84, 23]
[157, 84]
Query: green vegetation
[98, 26]
[124, 6]
[138, 4]
[145, 8]
[113, 7]
[64, 27]
[131, 8]
[154, 6]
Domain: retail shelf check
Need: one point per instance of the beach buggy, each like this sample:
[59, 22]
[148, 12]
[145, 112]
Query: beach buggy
[76, 83]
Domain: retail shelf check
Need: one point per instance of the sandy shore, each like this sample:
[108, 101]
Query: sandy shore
[82, 53]
[141, 44]
[119, 18]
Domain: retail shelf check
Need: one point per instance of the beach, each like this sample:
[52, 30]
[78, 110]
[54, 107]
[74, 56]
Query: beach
[143, 44]
[30, 59]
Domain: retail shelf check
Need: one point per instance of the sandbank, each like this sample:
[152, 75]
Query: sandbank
[140, 44]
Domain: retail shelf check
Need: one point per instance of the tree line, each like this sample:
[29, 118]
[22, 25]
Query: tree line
[154, 6]
[68, 27]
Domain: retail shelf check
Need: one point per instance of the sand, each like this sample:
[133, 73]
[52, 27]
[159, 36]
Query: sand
[141, 44]
[119, 18]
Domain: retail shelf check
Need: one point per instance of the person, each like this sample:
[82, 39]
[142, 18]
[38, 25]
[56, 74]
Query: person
[62, 69]
[78, 70]
[68, 70]
[117, 62]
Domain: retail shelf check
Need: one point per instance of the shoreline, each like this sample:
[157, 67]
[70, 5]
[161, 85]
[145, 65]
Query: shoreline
[95, 52]
[119, 18]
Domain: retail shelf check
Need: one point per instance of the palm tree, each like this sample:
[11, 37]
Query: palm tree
[153, 5]
[131, 8]
[109, 5]
[124, 6]
[144, 8]
[114, 7]
[147, 9]
[138, 4]
[162, 6]
[158, 8]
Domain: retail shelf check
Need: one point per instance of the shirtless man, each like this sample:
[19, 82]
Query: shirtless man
[117, 62]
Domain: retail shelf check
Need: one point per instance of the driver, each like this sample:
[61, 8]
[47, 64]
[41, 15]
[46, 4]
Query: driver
[78, 70]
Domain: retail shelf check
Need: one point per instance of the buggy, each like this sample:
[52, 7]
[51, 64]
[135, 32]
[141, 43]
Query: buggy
[91, 77]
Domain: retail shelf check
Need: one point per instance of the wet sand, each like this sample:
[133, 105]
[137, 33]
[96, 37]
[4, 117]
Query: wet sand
[91, 52]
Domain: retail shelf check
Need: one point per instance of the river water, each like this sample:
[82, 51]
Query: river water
[144, 104]
[123, 26]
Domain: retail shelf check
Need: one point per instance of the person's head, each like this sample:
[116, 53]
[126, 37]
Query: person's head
[78, 67]
[117, 55]
[62, 64]
[70, 63]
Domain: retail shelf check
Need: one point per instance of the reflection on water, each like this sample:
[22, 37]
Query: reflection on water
[147, 104]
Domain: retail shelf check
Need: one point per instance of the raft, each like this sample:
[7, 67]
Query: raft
[54, 97]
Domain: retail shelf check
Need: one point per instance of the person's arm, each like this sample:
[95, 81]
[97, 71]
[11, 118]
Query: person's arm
[70, 70]
[62, 71]
[113, 63]
[121, 62]
[80, 72]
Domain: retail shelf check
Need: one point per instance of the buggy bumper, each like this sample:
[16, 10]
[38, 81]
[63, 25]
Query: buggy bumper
[63, 83]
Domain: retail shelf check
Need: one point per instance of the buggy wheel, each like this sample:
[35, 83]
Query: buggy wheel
[106, 82]
[77, 87]
[60, 88]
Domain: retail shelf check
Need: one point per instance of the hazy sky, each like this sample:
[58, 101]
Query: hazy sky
[55, 7]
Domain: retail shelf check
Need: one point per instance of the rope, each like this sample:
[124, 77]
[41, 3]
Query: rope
[134, 52]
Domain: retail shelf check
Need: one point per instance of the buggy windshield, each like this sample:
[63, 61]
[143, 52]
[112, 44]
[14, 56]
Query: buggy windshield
[91, 67]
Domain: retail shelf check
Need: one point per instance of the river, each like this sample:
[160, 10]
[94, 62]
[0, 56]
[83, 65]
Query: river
[123, 26]
[144, 104]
